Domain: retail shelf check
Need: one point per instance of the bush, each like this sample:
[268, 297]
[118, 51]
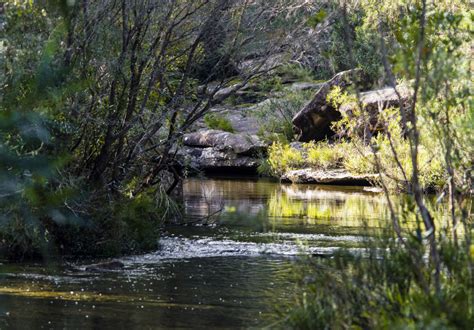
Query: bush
[295, 72]
[275, 115]
[282, 158]
[419, 273]
[324, 156]
[215, 121]
[321, 156]
[270, 83]
[356, 157]
[390, 145]
[388, 287]
[111, 227]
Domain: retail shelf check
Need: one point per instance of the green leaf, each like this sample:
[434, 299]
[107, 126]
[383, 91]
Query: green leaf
[317, 18]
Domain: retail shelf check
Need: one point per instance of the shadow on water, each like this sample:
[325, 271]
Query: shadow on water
[229, 269]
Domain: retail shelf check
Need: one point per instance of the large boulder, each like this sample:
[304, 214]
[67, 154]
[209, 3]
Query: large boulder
[214, 150]
[225, 141]
[210, 159]
[375, 101]
[313, 122]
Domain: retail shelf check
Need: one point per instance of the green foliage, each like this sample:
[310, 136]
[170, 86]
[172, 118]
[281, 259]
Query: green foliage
[385, 289]
[337, 97]
[282, 158]
[320, 156]
[432, 173]
[358, 158]
[275, 115]
[267, 84]
[217, 121]
[392, 149]
[110, 226]
[29, 196]
[418, 274]
[324, 156]
[352, 45]
[317, 18]
[264, 168]
[45, 210]
[294, 72]
[141, 219]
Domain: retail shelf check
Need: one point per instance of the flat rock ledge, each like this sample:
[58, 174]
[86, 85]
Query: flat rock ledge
[241, 144]
[332, 176]
[214, 150]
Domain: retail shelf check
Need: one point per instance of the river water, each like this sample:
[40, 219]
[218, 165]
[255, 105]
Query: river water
[232, 266]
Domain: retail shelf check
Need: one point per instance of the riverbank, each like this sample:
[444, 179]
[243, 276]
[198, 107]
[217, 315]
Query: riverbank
[334, 143]
[354, 162]
[94, 225]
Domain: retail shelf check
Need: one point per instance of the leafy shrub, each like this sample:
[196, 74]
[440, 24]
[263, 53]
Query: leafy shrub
[268, 84]
[282, 157]
[275, 115]
[362, 52]
[276, 131]
[216, 121]
[264, 168]
[319, 155]
[112, 226]
[389, 147]
[398, 169]
[358, 158]
[386, 288]
[295, 72]
[323, 155]
[419, 273]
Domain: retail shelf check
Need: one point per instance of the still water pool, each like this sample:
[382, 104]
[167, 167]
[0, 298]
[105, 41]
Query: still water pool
[229, 268]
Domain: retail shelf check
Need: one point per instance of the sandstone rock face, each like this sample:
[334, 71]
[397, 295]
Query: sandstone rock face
[332, 176]
[215, 150]
[381, 98]
[224, 141]
[313, 122]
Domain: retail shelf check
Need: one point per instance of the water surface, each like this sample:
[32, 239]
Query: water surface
[229, 266]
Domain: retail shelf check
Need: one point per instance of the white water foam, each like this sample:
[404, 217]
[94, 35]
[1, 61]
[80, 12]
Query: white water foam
[184, 248]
